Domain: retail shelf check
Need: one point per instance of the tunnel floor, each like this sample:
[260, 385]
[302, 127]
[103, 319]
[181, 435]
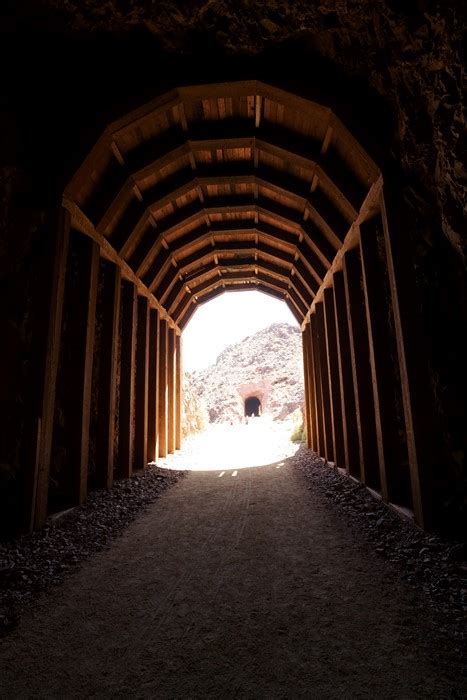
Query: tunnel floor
[227, 586]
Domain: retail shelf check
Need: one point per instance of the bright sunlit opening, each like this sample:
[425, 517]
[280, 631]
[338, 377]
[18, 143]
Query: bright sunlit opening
[262, 442]
[228, 319]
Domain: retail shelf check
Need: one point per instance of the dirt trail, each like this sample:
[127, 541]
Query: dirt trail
[228, 586]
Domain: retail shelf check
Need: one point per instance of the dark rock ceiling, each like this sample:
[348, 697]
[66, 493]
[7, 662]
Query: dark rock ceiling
[392, 70]
[406, 52]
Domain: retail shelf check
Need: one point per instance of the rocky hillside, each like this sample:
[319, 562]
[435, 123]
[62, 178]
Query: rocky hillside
[194, 412]
[266, 365]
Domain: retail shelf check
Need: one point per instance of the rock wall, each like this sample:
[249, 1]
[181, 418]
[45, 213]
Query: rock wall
[194, 412]
[268, 365]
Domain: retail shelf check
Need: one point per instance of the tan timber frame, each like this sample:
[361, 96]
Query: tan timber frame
[229, 187]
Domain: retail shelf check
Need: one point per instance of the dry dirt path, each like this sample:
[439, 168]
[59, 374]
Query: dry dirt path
[228, 586]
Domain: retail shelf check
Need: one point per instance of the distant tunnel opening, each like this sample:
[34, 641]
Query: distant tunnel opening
[252, 406]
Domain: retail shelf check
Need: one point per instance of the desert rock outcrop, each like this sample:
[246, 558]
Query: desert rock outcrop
[266, 366]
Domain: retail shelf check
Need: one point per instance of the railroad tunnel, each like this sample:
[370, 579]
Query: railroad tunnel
[208, 188]
[202, 188]
[253, 406]
[154, 156]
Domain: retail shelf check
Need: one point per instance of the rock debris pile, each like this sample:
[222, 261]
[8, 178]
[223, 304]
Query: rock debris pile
[426, 561]
[268, 365]
[36, 561]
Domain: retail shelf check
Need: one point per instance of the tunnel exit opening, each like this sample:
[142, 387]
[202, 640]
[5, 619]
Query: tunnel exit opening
[128, 378]
[253, 406]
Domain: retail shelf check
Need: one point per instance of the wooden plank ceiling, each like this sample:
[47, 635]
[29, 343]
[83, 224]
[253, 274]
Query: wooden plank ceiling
[224, 187]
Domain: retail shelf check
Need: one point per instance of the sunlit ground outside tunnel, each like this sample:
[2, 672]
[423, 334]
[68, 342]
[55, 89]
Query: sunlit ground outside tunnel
[225, 446]
[260, 442]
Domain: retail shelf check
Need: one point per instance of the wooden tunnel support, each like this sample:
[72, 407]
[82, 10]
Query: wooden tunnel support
[306, 380]
[153, 384]
[127, 380]
[320, 427]
[141, 391]
[59, 234]
[381, 365]
[320, 241]
[163, 388]
[171, 385]
[334, 378]
[415, 377]
[81, 297]
[312, 388]
[178, 392]
[359, 356]
[325, 393]
[349, 418]
[105, 438]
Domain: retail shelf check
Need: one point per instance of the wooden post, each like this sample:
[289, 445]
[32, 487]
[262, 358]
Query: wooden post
[311, 384]
[153, 443]
[415, 379]
[334, 377]
[171, 392]
[127, 380]
[163, 388]
[178, 392]
[325, 394]
[382, 371]
[40, 479]
[81, 318]
[360, 358]
[307, 413]
[141, 388]
[321, 441]
[349, 417]
[111, 285]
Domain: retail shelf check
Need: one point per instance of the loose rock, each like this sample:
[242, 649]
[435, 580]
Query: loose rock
[38, 560]
[430, 564]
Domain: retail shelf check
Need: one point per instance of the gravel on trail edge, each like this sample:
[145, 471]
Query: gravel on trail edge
[434, 566]
[36, 561]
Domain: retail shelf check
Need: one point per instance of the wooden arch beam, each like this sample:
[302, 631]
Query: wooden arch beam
[167, 255]
[192, 196]
[145, 238]
[216, 276]
[266, 255]
[180, 290]
[152, 240]
[190, 265]
[234, 247]
[333, 221]
[227, 288]
[294, 282]
[252, 282]
[332, 172]
[217, 289]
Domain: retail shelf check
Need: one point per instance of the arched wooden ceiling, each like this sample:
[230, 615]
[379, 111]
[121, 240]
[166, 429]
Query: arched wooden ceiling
[225, 186]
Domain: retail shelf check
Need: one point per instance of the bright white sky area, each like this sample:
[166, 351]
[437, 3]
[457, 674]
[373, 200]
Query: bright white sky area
[228, 319]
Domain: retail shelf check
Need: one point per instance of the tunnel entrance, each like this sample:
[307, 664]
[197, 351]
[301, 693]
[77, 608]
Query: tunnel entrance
[221, 228]
[252, 406]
